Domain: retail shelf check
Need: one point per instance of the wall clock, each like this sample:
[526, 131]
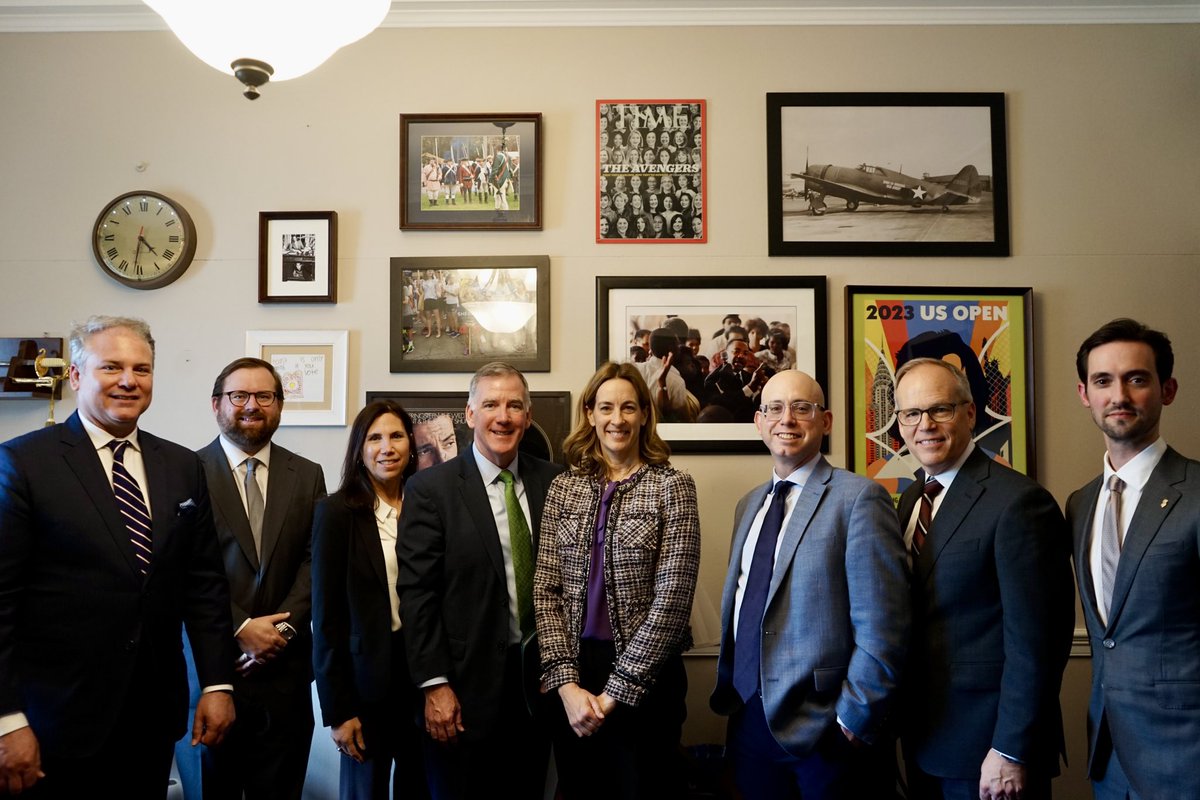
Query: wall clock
[144, 240]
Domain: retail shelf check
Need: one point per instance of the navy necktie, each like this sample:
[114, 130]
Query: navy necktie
[131, 505]
[748, 645]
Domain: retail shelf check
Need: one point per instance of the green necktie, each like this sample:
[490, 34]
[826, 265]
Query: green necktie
[522, 552]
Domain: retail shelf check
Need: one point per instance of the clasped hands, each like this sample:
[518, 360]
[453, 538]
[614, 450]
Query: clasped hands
[586, 712]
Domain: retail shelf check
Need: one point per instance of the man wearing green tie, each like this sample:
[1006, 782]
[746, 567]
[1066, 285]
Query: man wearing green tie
[466, 547]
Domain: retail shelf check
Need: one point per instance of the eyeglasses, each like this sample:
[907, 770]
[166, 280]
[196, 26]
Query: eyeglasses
[801, 409]
[943, 412]
[239, 399]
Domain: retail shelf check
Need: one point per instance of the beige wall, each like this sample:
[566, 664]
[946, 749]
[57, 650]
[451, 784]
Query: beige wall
[1102, 126]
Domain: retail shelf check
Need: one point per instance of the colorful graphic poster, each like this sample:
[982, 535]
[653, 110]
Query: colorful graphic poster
[984, 333]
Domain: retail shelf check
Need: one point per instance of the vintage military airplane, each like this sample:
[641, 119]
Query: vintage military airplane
[882, 186]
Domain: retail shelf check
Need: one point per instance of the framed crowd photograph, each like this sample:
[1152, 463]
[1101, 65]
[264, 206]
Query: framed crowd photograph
[440, 430]
[312, 366]
[887, 174]
[725, 338]
[471, 172]
[650, 172]
[297, 257]
[986, 332]
[453, 314]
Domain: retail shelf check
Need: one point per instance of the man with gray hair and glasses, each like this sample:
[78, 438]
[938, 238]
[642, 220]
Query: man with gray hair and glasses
[106, 546]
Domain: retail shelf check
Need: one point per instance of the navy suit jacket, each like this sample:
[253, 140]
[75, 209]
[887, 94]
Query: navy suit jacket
[993, 617]
[281, 580]
[77, 617]
[836, 622]
[1145, 699]
[453, 591]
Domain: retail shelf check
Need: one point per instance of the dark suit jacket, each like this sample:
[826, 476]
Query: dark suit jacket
[837, 613]
[352, 616]
[993, 617]
[75, 613]
[281, 582]
[453, 593]
[1146, 662]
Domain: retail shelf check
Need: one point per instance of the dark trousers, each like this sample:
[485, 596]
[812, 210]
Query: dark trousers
[393, 767]
[510, 763]
[834, 769]
[635, 753]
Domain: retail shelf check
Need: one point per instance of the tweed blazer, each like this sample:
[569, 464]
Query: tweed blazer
[651, 558]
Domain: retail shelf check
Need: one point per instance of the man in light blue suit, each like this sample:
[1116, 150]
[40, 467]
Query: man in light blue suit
[1137, 557]
[814, 616]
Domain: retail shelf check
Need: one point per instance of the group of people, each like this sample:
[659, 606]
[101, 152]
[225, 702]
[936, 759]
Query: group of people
[717, 378]
[465, 181]
[461, 618]
[651, 172]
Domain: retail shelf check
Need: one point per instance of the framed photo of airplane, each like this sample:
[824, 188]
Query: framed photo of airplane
[986, 332]
[887, 174]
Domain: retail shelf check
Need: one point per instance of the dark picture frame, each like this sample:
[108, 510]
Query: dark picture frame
[627, 304]
[550, 427]
[629, 183]
[987, 331]
[887, 174]
[495, 318]
[297, 257]
[506, 181]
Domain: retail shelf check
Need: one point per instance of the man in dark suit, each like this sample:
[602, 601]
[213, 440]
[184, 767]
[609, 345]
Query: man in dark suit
[464, 598]
[94, 587]
[993, 610]
[814, 616]
[263, 498]
[1137, 557]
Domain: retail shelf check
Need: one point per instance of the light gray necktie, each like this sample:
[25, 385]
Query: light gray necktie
[1110, 541]
[254, 503]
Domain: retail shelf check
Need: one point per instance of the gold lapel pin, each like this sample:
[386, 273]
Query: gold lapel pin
[1163, 504]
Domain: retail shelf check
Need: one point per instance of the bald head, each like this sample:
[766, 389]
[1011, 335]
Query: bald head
[793, 382]
[793, 438]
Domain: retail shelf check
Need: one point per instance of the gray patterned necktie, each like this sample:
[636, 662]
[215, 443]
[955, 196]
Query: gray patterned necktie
[1110, 541]
[254, 503]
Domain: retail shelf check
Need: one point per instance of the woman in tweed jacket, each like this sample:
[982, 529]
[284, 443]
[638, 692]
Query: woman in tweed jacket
[617, 563]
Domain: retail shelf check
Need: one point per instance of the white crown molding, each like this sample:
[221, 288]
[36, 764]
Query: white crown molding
[32, 16]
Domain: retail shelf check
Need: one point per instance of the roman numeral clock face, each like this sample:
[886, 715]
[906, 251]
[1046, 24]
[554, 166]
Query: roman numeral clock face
[144, 240]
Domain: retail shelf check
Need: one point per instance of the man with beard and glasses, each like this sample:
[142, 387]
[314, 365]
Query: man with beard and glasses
[1137, 559]
[263, 498]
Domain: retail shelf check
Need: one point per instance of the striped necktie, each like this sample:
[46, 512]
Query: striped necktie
[925, 515]
[132, 505]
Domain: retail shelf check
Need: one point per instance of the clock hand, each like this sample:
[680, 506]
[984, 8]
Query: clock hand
[137, 253]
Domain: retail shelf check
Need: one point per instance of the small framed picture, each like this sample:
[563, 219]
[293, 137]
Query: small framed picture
[297, 257]
[650, 172]
[887, 174]
[985, 332]
[456, 314]
[312, 366]
[471, 172]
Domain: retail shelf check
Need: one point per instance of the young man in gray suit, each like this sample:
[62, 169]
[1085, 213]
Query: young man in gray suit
[814, 616]
[993, 610]
[263, 498]
[1137, 557]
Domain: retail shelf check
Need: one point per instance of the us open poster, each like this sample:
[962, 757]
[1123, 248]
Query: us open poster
[984, 333]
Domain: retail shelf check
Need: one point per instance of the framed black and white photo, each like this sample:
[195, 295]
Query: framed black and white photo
[457, 314]
[650, 172]
[471, 172]
[725, 336]
[887, 174]
[297, 257]
[440, 430]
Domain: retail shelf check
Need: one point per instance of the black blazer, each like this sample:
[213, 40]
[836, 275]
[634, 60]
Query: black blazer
[993, 617]
[281, 582]
[453, 591]
[352, 617]
[75, 613]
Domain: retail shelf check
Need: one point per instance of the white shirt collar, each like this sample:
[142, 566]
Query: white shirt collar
[236, 455]
[1136, 470]
[490, 471]
[947, 476]
[100, 437]
[799, 475]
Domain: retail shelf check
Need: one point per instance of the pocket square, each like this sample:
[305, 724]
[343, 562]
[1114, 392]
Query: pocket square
[186, 507]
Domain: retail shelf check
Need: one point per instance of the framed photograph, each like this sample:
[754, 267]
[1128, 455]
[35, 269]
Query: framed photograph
[312, 365]
[986, 332]
[650, 172]
[297, 257]
[725, 336]
[457, 314]
[440, 429]
[471, 172]
[887, 174]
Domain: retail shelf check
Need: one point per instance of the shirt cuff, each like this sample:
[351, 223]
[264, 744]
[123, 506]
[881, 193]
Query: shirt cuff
[239, 628]
[13, 722]
[438, 681]
[1007, 757]
[218, 687]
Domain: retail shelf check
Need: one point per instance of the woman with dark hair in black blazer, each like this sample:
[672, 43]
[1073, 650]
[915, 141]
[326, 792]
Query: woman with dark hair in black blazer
[367, 698]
